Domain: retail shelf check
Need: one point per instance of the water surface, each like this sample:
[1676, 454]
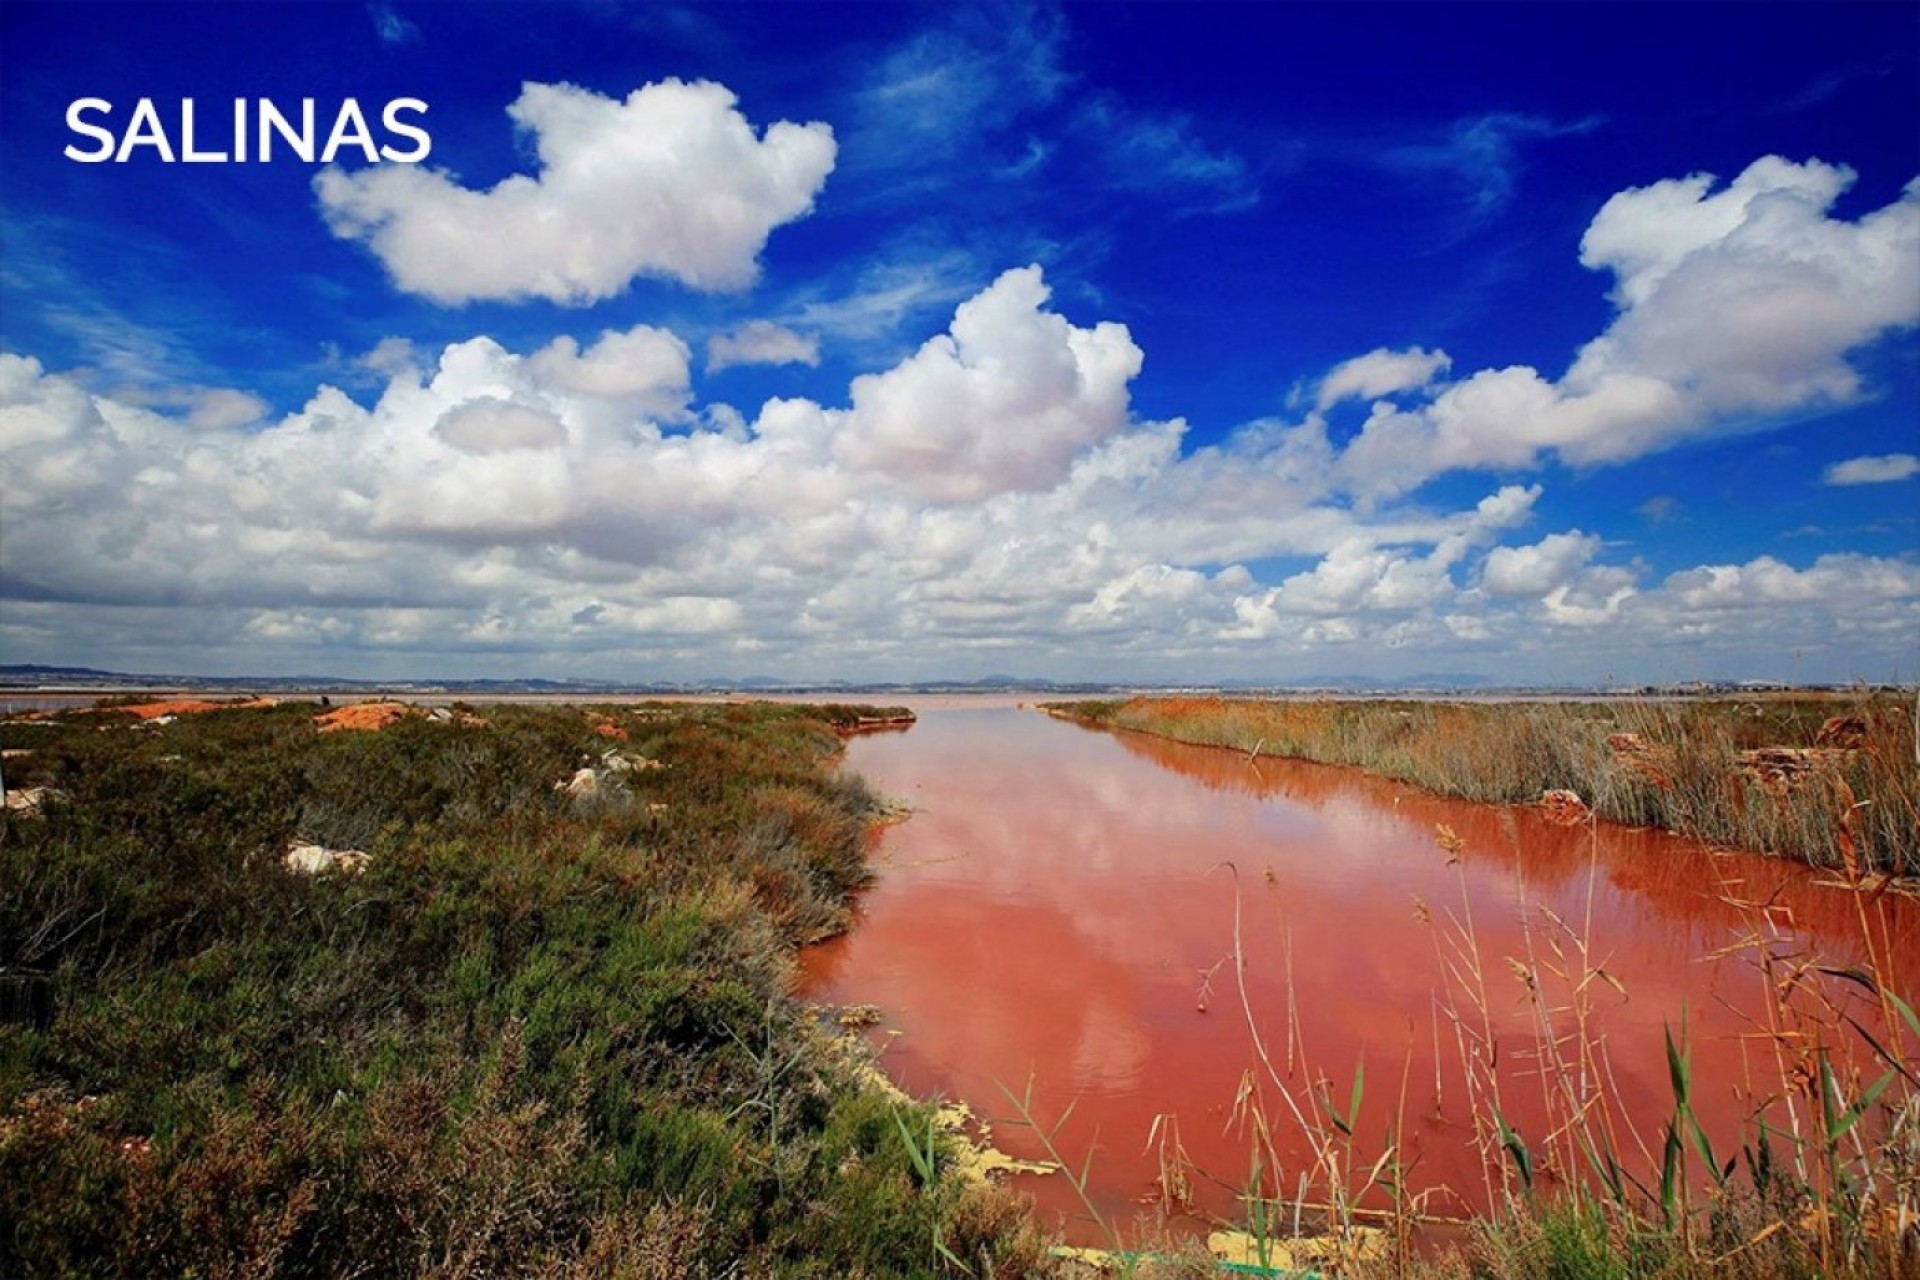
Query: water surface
[1061, 906]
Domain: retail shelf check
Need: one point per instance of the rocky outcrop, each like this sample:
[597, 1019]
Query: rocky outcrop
[313, 860]
[27, 801]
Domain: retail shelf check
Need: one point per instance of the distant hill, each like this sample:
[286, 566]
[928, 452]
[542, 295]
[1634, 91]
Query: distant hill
[1435, 680]
[33, 671]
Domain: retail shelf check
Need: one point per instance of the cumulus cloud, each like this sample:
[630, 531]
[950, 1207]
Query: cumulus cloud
[989, 498]
[642, 371]
[489, 501]
[223, 409]
[389, 356]
[1881, 469]
[1004, 400]
[1535, 570]
[1380, 373]
[671, 182]
[492, 425]
[203, 408]
[1835, 582]
[1377, 571]
[761, 342]
[1734, 306]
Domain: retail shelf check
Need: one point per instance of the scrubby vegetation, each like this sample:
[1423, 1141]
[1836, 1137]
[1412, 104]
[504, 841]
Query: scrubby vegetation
[538, 1030]
[1831, 781]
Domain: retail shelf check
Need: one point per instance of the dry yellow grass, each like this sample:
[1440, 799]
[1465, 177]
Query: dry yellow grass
[1805, 777]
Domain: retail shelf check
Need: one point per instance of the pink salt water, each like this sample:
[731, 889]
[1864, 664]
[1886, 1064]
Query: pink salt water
[1060, 909]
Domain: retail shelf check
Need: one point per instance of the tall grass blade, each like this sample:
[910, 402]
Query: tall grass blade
[1677, 1068]
[1672, 1157]
[1889, 1058]
[922, 1157]
[1522, 1159]
[1851, 1116]
[1906, 1012]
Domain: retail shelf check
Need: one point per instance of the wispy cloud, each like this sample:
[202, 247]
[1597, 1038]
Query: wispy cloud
[39, 277]
[950, 85]
[1661, 508]
[1884, 469]
[1482, 156]
[1158, 151]
[1832, 84]
[990, 81]
[761, 342]
[392, 29]
[886, 297]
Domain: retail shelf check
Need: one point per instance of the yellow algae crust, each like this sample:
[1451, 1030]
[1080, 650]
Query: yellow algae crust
[1298, 1254]
[977, 1158]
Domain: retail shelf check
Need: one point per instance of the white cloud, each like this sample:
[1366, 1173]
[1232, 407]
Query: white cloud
[1538, 569]
[1883, 469]
[1381, 373]
[1481, 154]
[1593, 598]
[761, 342]
[1373, 571]
[1004, 401]
[1749, 299]
[492, 425]
[1661, 508]
[1356, 576]
[1833, 583]
[888, 295]
[1154, 151]
[390, 356]
[223, 409]
[641, 372]
[940, 90]
[1645, 234]
[988, 498]
[672, 183]
[1734, 307]
[203, 408]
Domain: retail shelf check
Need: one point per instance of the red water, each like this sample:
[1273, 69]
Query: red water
[1057, 910]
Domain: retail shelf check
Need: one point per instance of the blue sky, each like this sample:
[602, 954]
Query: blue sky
[1125, 341]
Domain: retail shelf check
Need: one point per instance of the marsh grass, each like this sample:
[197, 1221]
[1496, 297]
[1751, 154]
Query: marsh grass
[534, 1036]
[1683, 764]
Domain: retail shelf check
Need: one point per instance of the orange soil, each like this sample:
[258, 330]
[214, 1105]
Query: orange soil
[364, 715]
[185, 706]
